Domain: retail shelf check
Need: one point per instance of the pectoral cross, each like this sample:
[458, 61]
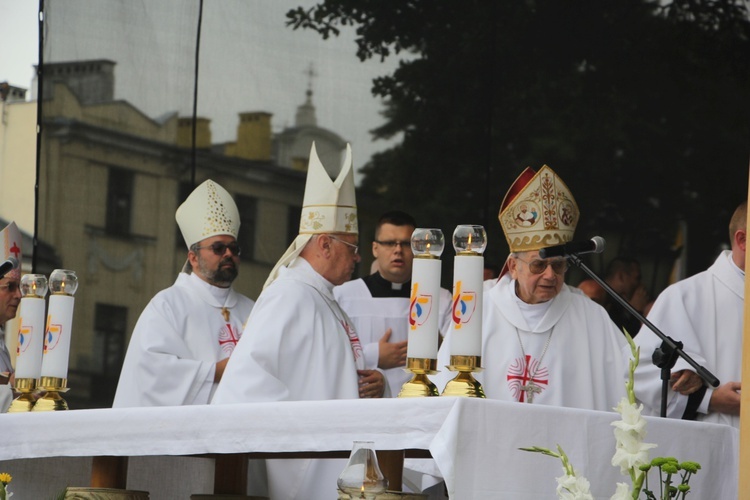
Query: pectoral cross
[530, 389]
[225, 313]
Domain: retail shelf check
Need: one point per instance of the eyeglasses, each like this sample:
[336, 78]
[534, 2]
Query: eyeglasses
[538, 266]
[355, 247]
[219, 248]
[11, 287]
[391, 244]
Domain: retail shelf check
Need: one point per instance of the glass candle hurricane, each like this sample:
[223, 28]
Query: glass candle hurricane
[362, 478]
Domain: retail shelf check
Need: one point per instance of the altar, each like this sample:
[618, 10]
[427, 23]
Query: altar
[474, 444]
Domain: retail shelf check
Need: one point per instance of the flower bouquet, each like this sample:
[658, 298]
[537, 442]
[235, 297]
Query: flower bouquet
[631, 455]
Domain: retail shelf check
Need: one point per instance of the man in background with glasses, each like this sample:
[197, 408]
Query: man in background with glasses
[378, 304]
[185, 335]
[10, 298]
[543, 342]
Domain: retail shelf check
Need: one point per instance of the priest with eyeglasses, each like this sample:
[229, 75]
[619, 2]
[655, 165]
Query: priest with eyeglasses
[185, 335]
[299, 344]
[544, 342]
[378, 304]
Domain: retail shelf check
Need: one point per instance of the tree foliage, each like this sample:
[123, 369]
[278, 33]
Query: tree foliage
[641, 107]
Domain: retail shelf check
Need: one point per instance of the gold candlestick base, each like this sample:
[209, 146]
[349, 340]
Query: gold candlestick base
[464, 384]
[25, 401]
[419, 386]
[52, 401]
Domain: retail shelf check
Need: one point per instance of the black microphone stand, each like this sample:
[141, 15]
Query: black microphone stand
[664, 356]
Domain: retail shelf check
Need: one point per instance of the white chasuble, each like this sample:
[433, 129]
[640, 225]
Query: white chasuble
[177, 341]
[6, 366]
[298, 345]
[6, 397]
[574, 357]
[704, 312]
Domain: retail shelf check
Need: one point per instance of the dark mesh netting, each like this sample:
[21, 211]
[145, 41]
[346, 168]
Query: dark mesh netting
[119, 149]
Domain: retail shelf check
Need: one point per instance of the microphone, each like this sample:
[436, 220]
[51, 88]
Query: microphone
[594, 245]
[8, 266]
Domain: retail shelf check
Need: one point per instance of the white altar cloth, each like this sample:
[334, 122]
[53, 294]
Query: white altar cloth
[474, 442]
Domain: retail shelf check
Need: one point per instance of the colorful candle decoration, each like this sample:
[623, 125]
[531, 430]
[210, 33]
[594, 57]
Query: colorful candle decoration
[469, 242]
[466, 326]
[31, 330]
[62, 284]
[424, 308]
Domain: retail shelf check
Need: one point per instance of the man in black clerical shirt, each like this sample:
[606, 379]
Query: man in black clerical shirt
[378, 304]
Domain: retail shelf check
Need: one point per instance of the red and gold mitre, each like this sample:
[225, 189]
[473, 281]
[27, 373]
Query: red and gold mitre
[538, 211]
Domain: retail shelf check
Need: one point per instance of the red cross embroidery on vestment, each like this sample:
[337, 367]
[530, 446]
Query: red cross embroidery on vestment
[353, 339]
[15, 250]
[228, 338]
[525, 374]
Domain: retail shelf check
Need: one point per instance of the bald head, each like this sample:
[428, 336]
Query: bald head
[594, 291]
[333, 256]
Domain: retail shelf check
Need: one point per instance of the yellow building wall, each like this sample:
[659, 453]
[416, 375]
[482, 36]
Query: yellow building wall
[18, 163]
[116, 270]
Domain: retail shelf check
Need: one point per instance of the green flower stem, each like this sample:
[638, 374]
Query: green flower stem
[633, 364]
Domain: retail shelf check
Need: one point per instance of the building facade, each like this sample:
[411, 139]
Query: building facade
[110, 181]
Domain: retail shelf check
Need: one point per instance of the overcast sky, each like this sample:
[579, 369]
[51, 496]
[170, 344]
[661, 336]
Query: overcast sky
[249, 62]
[18, 24]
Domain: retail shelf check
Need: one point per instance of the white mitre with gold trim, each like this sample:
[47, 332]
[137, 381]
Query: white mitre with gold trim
[208, 211]
[10, 237]
[329, 206]
[538, 211]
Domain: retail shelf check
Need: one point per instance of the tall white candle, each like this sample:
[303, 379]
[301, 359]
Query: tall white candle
[424, 309]
[466, 311]
[57, 338]
[31, 329]
[59, 323]
[30, 338]
[424, 305]
[469, 241]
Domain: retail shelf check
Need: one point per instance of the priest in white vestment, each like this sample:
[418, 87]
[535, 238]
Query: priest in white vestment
[705, 313]
[10, 299]
[298, 343]
[185, 335]
[378, 304]
[542, 342]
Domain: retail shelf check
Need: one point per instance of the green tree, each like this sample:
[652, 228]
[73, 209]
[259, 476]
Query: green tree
[641, 108]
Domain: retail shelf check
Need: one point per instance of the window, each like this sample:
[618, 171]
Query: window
[248, 208]
[183, 191]
[119, 201]
[110, 323]
[293, 216]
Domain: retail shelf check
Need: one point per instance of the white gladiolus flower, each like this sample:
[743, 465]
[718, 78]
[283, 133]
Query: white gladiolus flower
[573, 487]
[622, 493]
[630, 450]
